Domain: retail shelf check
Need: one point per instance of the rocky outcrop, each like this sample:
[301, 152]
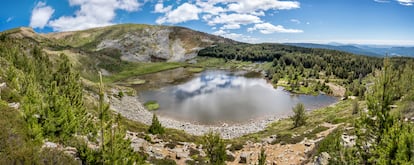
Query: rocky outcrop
[141, 43]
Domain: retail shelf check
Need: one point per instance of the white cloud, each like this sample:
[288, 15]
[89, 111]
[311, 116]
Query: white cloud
[295, 21]
[382, 1]
[234, 19]
[235, 36]
[92, 13]
[159, 8]
[182, 13]
[406, 2]
[209, 7]
[267, 28]
[231, 26]
[248, 6]
[40, 15]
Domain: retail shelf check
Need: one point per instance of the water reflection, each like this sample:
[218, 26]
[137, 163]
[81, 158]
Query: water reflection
[217, 96]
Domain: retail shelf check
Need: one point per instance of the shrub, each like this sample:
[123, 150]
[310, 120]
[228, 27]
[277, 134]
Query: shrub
[156, 127]
[215, 148]
[299, 117]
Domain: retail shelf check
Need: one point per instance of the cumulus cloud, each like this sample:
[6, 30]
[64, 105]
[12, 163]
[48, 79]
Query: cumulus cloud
[182, 13]
[247, 6]
[234, 19]
[159, 8]
[231, 26]
[406, 2]
[41, 14]
[235, 36]
[268, 28]
[92, 13]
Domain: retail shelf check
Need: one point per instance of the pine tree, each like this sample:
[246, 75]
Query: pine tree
[299, 116]
[156, 127]
[215, 148]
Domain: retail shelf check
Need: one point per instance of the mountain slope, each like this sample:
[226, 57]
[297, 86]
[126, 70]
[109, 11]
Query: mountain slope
[141, 43]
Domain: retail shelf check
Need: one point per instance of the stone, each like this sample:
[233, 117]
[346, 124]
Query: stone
[230, 156]
[181, 155]
[49, 145]
[244, 157]
[14, 105]
[323, 159]
[270, 140]
[71, 151]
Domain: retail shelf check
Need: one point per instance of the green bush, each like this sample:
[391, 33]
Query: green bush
[299, 117]
[156, 127]
[215, 148]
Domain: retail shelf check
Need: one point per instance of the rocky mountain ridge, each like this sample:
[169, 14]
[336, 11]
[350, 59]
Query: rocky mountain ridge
[132, 42]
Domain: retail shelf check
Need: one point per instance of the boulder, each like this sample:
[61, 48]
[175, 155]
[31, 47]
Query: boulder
[323, 159]
[244, 157]
[14, 105]
[49, 145]
[181, 155]
[230, 156]
[270, 140]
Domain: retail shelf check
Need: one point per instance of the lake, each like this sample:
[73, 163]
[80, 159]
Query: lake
[217, 96]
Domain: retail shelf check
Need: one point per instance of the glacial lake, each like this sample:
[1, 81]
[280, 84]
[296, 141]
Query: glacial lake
[216, 96]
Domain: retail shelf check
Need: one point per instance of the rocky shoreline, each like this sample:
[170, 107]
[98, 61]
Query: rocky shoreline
[132, 108]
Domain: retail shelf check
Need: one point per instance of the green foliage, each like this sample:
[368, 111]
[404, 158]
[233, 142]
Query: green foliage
[215, 148]
[151, 105]
[262, 157]
[355, 107]
[156, 127]
[299, 116]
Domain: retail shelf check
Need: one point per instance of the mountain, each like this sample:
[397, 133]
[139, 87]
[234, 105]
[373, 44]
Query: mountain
[369, 50]
[132, 42]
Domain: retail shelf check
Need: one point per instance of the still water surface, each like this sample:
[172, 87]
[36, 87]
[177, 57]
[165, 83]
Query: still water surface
[217, 96]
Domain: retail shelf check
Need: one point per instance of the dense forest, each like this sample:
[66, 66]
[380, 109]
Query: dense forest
[302, 67]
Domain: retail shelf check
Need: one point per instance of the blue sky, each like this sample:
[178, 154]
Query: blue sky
[386, 22]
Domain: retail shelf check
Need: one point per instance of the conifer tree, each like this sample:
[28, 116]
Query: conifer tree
[215, 148]
[156, 127]
[299, 116]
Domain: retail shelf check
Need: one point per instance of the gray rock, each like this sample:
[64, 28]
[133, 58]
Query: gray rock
[49, 145]
[14, 105]
[244, 157]
[181, 155]
[323, 159]
[270, 139]
[230, 156]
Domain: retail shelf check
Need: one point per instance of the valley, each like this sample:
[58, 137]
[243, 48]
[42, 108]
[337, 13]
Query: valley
[88, 90]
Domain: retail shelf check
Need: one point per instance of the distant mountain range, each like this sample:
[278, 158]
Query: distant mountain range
[370, 50]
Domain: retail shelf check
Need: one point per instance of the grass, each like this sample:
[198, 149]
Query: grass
[136, 69]
[152, 105]
[195, 69]
[341, 112]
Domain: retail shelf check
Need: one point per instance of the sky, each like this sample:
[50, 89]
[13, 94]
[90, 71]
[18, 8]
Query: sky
[384, 22]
